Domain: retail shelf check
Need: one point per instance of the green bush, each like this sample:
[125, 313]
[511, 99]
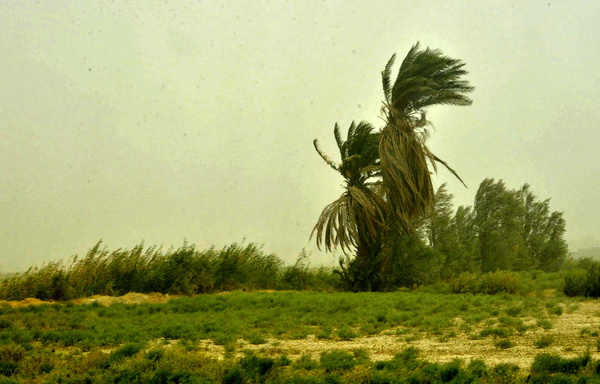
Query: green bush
[544, 341]
[503, 343]
[546, 363]
[8, 368]
[12, 353]
[584, 281]
[495, 332]
[464, 283]
[305, 362]
[487, 283]
[575, 283]
[127, 350]
[251, 369]
[337, 361]
[346, 333]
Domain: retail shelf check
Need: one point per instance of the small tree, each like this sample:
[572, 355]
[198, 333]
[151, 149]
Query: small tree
[543, 231]
[499, 221]
[466, 255]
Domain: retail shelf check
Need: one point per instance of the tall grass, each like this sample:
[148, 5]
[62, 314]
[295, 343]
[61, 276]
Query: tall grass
[185, 270]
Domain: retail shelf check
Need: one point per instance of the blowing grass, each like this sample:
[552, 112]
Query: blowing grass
[182, 271]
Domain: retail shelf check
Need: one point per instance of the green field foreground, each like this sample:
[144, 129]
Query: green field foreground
[304, 337]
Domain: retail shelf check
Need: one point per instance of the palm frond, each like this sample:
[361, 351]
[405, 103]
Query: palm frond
[370, 213]
[358, 215]
[386, 78]
[450, 169]
[335, 226]
[339, 140]
[426, 78]
[325, 158]
[351, 130]
[406, 177]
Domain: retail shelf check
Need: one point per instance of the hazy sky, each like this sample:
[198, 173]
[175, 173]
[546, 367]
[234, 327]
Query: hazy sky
[138, 120]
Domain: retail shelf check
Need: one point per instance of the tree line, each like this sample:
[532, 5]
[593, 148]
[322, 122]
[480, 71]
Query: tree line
[505, 229]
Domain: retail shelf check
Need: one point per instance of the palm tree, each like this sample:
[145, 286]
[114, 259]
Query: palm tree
[357, 219]
[426, 78]
[387, 176]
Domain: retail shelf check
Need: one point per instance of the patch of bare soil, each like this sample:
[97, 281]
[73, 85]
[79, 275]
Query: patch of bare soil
[130, 298]
[568, 341]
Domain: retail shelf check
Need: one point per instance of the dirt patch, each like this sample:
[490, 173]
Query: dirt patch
[130, 298]
[572, 334]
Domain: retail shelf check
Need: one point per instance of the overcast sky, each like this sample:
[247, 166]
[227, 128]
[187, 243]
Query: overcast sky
[138, 120]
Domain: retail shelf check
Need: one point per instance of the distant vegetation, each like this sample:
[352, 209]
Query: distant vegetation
[185, 270]
[501, 244]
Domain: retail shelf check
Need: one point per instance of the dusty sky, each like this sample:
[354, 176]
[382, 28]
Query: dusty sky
[138, 120]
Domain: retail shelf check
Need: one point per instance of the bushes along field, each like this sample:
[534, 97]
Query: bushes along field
[185, 270]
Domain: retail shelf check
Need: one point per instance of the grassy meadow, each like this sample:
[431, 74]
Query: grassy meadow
[303, 337]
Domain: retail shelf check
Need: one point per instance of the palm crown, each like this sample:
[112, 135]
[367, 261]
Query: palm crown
[358, 215]
[425, 78]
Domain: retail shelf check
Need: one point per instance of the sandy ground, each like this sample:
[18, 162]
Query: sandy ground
[130, 298]
[566, 331]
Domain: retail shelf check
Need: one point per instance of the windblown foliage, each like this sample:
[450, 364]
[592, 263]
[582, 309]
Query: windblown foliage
[426, 78]
[358, 216]
[185, 270]
[388, 181]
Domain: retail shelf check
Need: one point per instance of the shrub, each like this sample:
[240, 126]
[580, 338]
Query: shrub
[584, 281]
[12, 353]
[155, 354]
[496, 332]
[488, 283]
[8, 368]
[256, 338]
[546, 363]
[503, 343]
[346, 333]
[464, 283]
[254, 368]
[167, 377]
[337, 361]
[305, 362]
[499, 282]
[125, 351]
[184, 270]
[5, 324]
[544, 341]
[449, 371]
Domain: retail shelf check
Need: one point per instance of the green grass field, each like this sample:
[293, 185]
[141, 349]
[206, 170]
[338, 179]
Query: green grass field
[302, 337]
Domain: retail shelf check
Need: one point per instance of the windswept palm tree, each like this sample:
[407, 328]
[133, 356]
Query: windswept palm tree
[357, 219]
[426, 78]
[387, 175]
